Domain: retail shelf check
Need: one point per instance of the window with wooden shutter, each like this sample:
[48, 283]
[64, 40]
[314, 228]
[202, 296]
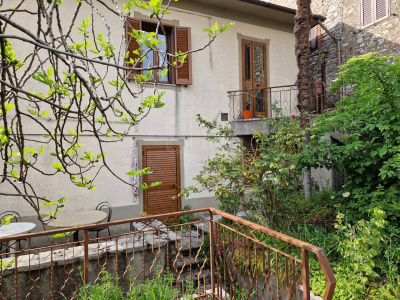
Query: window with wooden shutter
[175, 39]
[182, 43]
[132, 44]
[373, 11]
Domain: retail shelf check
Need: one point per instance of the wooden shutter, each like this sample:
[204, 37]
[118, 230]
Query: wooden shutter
[382, 9]
[183, 44]
[164, 162]
[132, 43]
[314, 38]
[319, 38]
[367, 12]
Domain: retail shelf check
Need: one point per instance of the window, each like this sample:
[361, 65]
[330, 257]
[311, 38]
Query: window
[315, 38]
[175, 39]
[373, 11]
[251, 145]
[251, 152]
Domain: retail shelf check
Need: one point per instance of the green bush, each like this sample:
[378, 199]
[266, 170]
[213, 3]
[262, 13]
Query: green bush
[368, 263]
[270, 174]
[369, 123]
[162, 287]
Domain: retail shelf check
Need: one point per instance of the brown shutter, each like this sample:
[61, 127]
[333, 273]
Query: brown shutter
[319, 37]
[314, 38]
[183, 44]
[382, 9]
[367, 12]
[132, 43]
[164, 162]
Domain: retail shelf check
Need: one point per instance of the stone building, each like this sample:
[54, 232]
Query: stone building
[363, 26]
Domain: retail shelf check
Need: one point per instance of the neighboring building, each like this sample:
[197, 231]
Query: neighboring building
[258, 52]
[363, 26]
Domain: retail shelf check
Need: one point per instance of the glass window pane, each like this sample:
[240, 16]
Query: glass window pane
[149, 62]
[247, 99]
[260, 100]
[247, 63]
[162, 58]
[259, 68]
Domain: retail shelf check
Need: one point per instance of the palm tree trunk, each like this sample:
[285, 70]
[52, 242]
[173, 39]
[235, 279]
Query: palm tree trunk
[302, 31]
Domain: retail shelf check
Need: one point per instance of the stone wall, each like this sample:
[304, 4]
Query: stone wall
[46, 274]
[343, 19]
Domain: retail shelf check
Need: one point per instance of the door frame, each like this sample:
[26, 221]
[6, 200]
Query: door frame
[141, 145]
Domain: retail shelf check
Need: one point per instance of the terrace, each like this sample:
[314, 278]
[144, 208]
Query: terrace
[223, 256]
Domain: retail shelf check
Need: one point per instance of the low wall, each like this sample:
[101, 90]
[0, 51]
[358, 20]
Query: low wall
[41, 274]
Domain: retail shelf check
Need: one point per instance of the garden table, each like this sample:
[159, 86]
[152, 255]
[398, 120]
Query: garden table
[15, 229]
[78, 218]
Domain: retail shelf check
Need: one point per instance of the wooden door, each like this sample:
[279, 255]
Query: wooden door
[254, 78]
[164, 161]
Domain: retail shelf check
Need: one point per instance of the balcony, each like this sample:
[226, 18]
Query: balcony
[222, 261]
[247, 107]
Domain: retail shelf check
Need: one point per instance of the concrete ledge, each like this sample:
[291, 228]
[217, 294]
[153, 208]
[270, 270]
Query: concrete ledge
[249, 127]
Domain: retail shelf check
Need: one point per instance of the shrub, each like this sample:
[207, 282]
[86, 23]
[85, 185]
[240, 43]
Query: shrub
[368, 261]
[369, 121]
[161, 287]
[270, 173]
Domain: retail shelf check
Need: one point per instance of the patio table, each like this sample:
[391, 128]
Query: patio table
[15, 229]
[78, 218]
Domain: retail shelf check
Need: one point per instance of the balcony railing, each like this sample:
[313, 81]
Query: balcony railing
[244, 104]
[223, 261]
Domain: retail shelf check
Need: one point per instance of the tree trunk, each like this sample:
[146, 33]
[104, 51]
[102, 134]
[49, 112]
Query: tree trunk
[302, 31]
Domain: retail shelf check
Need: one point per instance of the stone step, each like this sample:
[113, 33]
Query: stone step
[205, 277]
[186, 263]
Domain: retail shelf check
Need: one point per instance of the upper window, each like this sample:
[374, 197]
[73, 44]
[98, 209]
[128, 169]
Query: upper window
[373, 11]
[174, 39]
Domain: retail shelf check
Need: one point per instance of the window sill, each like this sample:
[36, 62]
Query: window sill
[166, 86]
[373, 24]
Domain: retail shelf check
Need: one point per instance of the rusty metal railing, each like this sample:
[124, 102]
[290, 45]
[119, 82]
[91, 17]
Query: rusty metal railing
[223, 260]
[279, 100]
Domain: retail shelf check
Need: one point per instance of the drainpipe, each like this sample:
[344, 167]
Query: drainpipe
[336, 40]
[339, 47]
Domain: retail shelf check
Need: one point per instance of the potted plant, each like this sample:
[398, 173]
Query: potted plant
[247, 114]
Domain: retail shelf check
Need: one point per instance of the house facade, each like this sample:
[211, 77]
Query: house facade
[256, 53]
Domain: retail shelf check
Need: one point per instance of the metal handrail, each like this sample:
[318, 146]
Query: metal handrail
[267, 88]
[319, 252]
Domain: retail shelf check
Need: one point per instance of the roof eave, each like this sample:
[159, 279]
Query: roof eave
[281, 8]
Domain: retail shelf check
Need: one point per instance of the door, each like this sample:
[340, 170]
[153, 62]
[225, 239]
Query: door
[254, 78]
[164, 161]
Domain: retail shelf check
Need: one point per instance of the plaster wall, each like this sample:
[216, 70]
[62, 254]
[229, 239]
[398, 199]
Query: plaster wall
[215, 71]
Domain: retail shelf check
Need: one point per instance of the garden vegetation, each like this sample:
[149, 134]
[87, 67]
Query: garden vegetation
[357, 226]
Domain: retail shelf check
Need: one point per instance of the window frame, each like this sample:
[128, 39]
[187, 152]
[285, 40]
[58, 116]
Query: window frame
[374, 13]
[169, 30]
